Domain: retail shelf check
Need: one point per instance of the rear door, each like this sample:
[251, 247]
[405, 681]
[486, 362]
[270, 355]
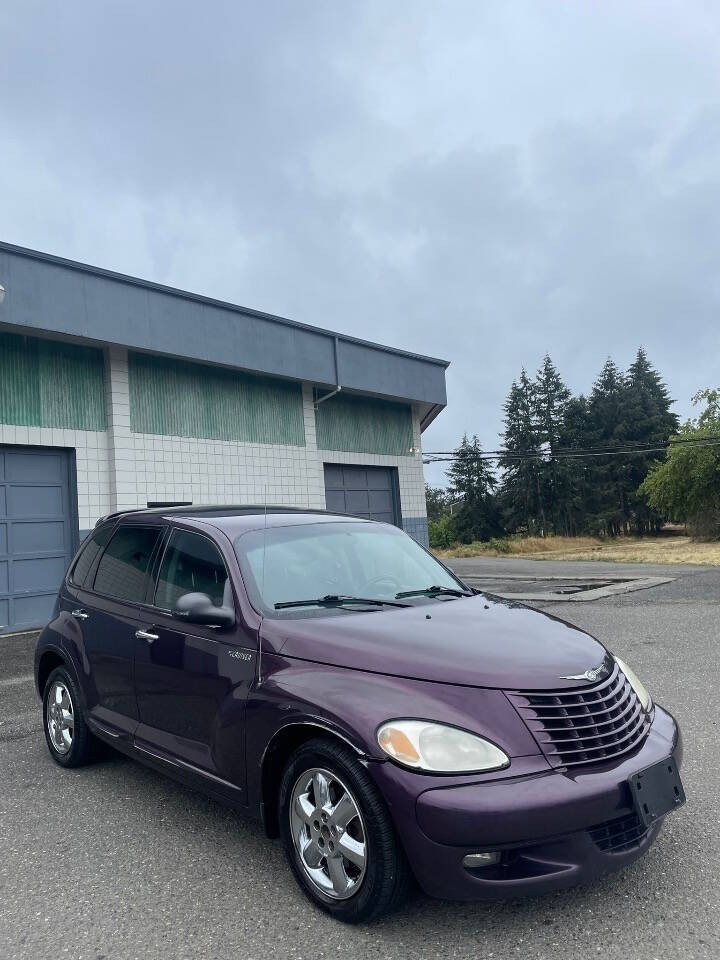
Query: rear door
[107, 610]
[192, 681]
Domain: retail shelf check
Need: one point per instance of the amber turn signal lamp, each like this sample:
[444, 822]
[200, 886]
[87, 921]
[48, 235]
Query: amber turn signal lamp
[398, 745]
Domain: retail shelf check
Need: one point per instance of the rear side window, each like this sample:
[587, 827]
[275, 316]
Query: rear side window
[192, 564]
[91, 548]
[122, 571]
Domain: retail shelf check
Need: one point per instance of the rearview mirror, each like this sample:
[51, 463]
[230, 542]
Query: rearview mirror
[199, 608]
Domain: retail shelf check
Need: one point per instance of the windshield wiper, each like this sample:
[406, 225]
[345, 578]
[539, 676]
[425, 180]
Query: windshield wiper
[335, 600]
[433, 591]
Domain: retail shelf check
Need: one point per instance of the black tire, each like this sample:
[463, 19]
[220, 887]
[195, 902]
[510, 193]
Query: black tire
[83, 746]
[387, 879]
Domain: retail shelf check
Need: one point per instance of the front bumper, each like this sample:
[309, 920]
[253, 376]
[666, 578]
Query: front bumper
[541, 822]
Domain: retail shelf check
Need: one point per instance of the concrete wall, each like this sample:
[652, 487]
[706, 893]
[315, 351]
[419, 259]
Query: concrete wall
[118, 469]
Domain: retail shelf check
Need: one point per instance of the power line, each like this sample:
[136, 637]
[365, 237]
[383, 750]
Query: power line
[567, 454]
[603, 448]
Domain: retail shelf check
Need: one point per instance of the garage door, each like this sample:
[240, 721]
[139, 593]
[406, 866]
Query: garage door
[369, 492]
[36, 534]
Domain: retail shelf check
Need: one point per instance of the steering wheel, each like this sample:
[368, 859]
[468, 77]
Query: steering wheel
[375, 583]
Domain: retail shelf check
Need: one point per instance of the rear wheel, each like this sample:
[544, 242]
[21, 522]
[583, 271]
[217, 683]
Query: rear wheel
[338, 836]
[69, 740]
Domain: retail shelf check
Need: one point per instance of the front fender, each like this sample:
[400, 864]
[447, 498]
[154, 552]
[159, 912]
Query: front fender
[351, 704]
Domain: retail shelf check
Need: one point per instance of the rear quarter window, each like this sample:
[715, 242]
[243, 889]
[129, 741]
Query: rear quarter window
[88, 554]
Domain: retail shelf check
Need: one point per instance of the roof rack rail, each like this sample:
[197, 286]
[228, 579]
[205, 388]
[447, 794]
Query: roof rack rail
[116, 513]
[238, 509]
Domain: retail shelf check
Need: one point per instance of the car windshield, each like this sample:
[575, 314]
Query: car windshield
[336, 560]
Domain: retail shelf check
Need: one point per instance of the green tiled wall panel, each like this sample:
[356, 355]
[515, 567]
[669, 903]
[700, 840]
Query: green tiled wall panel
[45, 383]
[182, 399]
[357, 424]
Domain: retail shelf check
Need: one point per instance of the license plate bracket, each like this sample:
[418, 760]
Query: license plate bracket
[656, 790]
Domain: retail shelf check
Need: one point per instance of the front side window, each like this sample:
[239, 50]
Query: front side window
[122, 571]
[306, 561]
[90, 549]
[192, 564]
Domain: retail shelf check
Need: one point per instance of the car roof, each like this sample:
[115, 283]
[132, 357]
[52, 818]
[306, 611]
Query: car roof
[236, 518]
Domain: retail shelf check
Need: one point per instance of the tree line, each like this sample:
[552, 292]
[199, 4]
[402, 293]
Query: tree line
[568, 464]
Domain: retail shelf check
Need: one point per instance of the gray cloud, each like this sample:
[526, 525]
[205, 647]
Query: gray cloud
[482, 182]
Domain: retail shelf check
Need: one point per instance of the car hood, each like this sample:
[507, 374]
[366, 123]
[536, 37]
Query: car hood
[478, 641]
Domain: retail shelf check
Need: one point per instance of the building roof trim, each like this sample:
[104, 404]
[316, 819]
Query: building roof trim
[208, 301]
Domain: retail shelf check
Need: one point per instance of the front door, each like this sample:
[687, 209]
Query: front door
[192, 681]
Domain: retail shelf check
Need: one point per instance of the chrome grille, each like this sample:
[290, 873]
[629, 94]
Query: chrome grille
[588, 725]
[616, 836]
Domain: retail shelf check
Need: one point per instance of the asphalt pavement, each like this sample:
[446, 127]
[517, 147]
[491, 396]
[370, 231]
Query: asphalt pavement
[114, 861]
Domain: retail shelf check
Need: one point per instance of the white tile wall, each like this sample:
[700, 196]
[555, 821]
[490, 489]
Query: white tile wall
[120, 470]
[91, 457]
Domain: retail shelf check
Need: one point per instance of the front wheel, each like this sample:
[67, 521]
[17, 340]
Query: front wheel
[338, 836]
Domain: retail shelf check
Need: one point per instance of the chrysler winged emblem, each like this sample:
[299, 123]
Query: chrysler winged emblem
[591, 675]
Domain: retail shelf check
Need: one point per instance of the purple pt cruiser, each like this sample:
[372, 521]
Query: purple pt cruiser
[330, 677]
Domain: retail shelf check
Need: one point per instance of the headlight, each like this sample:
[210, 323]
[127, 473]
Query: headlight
[423, 745]
[642, 694]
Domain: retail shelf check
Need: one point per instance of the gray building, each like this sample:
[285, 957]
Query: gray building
[117, 393]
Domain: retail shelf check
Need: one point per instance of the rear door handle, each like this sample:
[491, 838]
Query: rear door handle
[80, 615]
[146, 635]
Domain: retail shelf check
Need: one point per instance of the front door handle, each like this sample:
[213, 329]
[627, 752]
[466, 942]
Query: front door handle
[80, 614]
[146, 635]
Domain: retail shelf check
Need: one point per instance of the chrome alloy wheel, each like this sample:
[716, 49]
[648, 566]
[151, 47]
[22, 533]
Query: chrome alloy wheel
[328, 832]
[60, 717]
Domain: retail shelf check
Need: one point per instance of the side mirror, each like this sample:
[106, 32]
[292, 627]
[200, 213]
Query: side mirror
[199, 608]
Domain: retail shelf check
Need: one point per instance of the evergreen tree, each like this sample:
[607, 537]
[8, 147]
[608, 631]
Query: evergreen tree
[472, 479]
[650, 422]
[550, 397]
[576, 490]
[608, 426]
[549, 400]
[521, 487]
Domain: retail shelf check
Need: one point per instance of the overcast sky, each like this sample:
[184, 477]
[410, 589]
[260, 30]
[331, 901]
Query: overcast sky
[478, 181]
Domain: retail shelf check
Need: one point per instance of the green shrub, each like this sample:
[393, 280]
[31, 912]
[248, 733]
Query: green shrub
[686, 486]
[500, 544]
[442, 533]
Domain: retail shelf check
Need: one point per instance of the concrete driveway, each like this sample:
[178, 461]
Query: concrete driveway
[113, 861]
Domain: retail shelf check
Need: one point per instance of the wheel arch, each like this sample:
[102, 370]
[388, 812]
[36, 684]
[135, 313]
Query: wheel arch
[283, 743]
[48, 661]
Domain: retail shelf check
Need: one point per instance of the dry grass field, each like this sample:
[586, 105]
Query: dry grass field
[663, 549]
